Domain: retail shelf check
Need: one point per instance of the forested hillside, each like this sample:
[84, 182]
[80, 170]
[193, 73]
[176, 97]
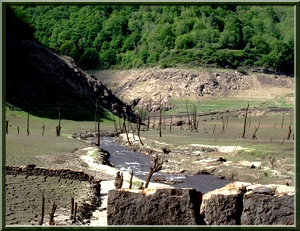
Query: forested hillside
[102, 36]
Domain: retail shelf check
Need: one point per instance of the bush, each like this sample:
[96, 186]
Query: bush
[241, 70]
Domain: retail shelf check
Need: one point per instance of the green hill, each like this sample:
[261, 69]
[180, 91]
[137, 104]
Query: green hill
[130, 36]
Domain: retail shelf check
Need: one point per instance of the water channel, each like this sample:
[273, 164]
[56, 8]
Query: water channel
[126, 160]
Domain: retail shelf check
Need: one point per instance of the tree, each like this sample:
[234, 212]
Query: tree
[89, 58]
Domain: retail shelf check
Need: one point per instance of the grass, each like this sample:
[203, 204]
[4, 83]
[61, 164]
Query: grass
[43, 150]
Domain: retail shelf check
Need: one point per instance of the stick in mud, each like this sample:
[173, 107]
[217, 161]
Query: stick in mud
[43, 210]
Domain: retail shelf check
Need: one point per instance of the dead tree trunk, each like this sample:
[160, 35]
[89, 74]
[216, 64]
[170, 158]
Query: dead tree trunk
[75, 211]
[43, 210]
[223, 124]
[214, 129]
[72, 207]
[157, 165]
[282, 120]
[245, 122]
[43, 131]
[139, 129]
[6, 127]
[160, 116]
[124, 127]
[171, 125]
[51, 220]
[115, 124]
[130, 181]
[98, 124]
[58, 128]
[254, 134]
[289, 133]
[28, 124]
[149, 108]
[188, 115]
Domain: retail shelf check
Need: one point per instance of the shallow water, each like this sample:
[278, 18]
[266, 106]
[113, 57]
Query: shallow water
[127, 160]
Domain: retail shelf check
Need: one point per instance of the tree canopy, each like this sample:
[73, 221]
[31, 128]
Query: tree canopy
[127, 36]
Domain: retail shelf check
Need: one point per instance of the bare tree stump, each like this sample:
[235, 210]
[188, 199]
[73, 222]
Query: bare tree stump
[118, 180]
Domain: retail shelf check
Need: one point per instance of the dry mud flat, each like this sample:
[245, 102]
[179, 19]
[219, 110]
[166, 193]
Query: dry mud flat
[24, 199]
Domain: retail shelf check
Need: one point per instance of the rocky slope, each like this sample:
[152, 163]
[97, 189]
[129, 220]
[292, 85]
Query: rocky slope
[144, 87]
[38, 80]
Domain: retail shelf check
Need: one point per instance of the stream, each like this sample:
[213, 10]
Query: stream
[127, 160]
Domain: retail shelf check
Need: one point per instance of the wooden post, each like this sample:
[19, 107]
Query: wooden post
[43, 209]
[18, 128]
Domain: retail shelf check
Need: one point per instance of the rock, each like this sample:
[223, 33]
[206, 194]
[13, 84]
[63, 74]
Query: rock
[161, 206]
[223, 206]
[268, 205]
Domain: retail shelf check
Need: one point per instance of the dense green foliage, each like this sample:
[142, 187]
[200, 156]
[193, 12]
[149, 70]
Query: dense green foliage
[136, 36]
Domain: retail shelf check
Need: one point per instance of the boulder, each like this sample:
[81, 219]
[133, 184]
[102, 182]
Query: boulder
[160, 206]
[224, 206]
[268, 205]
